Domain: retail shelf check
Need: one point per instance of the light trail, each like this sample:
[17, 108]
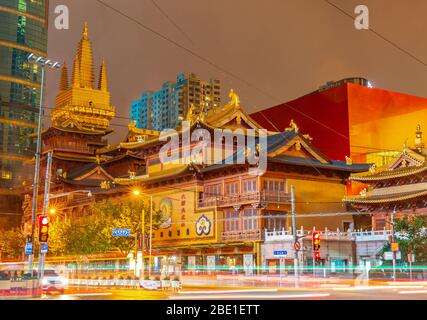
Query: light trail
[228, 291]
[366, 288]
[413, 292]
[267, 296]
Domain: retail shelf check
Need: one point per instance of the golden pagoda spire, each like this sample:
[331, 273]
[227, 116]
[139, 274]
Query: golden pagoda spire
[76, 73]
[76, 103]
[63, 85]
[85, 32]
[102, 85]
[84, 53]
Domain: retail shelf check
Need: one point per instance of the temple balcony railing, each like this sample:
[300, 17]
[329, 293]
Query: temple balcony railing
[242, 235]
[246, 198]
[355, 235]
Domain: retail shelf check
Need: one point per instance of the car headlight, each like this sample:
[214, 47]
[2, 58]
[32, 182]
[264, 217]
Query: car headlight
[64, 281]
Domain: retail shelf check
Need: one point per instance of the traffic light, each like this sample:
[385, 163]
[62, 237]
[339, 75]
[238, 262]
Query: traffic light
[43, 229]
[316, 241]
[317, 255]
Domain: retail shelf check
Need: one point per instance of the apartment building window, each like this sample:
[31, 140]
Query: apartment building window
[250, 219]
[249, 186]
[231, 220]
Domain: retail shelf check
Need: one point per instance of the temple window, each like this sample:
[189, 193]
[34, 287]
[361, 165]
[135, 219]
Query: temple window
[212, 191]
[249, 186]
[275, 223]
[250, 219]
[274, 186]
[231, 220]
[232, 188]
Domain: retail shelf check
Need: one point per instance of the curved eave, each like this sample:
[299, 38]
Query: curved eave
[399, 198]
[387, 175]
[330, 166]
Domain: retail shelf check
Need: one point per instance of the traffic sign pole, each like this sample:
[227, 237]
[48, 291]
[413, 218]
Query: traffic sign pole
[294, 231]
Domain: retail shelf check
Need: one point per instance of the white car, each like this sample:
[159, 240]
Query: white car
[52, 282]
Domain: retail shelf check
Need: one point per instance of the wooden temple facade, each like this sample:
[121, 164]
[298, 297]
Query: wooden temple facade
[216, 212]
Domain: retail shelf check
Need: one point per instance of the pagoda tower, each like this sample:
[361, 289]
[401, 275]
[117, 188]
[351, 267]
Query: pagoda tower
[83, 104]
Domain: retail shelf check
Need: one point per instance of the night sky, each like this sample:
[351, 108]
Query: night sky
[286, 48]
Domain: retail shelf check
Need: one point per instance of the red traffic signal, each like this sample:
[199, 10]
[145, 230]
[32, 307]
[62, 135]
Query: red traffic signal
[317, 255]
[43, 228]
[316, 241]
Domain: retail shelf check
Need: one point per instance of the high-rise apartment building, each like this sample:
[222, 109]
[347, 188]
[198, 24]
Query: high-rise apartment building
[23, 29]
[166, 107]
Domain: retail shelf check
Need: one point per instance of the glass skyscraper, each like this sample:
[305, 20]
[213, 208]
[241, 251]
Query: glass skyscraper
[23, 29]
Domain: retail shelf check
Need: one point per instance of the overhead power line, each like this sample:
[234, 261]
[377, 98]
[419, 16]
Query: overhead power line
[379, 35]
[163, 12]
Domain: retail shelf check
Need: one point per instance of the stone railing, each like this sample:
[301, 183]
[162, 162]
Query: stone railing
[248, 235]
[355, 235]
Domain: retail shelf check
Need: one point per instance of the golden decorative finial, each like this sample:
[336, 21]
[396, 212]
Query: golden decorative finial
[348, 161]
[132, 125]
[234, 98]
[419, 143]
[102, 84]
[191, 117]
[404, 163]
[85, 32]
[308, 137]
[405, 146]
[292, 126]
[298, 145]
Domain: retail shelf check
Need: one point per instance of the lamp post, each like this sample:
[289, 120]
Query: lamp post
[43, 62]
[139, 193]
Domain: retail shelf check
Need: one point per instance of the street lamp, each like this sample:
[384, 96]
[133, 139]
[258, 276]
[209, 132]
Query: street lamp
[138, 193]
[43, 62]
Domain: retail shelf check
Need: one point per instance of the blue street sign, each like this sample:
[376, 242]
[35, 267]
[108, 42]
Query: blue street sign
[121, 232]
[280, 253]
[43, 247]
[29, 248]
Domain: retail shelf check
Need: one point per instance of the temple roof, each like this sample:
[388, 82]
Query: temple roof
[158, 176]
[382, 199]
[389, 174]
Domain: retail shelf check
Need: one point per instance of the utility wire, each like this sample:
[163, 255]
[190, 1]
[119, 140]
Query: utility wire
[172, 22]
[392, 43]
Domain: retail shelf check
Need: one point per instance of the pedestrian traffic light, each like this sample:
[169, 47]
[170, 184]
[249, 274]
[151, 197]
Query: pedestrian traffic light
[43, 228]
[317, 255]
[316, 241]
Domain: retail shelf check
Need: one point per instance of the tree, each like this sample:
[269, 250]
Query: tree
[93, 234]
[12, 243]
[125, 215]
[412, 237]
